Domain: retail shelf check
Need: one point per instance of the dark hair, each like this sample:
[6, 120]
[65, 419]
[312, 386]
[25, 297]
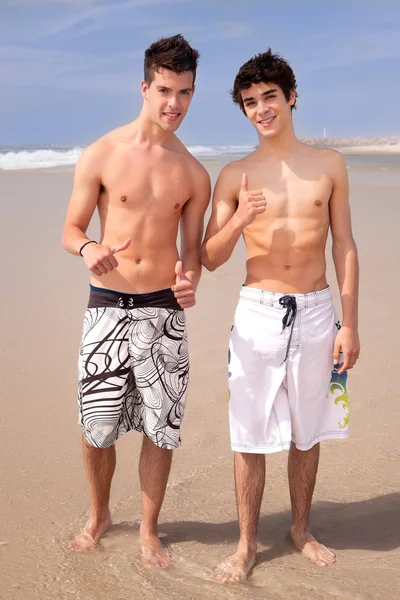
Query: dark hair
[265, 68]
[173, 53]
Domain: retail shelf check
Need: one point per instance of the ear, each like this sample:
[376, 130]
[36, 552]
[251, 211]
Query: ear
[292, 97]
[145, 88]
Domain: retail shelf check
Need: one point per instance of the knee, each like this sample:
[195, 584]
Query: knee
[99, 436]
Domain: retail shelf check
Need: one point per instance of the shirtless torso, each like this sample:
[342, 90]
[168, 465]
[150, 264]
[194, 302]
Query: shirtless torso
[142, 192]
[133, 360]
[284, 208]
[286, 241]
[283, 198]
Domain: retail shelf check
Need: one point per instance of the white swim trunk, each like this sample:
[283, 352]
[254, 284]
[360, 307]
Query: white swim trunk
[282, 382]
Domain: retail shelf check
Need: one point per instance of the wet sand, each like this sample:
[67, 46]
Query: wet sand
[43, 494]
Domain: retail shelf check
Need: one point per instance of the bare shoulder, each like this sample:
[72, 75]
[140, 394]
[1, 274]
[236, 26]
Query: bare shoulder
[234, 170]
[251, 164]
[198, 171]
[330, 156]
[103, 145]
[247, 162]
[93, 156]
[119, 134]
[330, 161]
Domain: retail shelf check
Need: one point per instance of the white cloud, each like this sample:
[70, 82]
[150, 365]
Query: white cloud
[76, 20]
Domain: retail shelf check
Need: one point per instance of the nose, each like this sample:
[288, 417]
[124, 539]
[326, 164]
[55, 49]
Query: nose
[174, 103]
[262, 109]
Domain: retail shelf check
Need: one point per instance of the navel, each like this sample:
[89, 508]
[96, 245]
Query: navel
[124, 198]
[138, 261]
[177, 205]
[287, 267]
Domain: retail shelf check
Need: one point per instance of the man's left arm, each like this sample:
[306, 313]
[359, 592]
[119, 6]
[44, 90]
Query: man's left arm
[188, 269]
[345, 257]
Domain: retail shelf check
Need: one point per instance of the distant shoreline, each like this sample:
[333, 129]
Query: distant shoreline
[357, 145]
[379, 144]
[39, 157]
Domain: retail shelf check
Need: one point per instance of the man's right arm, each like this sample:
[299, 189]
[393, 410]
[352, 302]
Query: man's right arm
[98, 259]
[87, 182]
[231, 213]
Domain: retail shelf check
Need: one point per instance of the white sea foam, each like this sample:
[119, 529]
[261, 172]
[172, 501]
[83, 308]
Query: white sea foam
[219, 150]
[38, 159]
[13, 160]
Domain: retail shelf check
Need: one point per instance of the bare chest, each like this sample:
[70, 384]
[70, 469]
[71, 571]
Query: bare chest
[145, 184]
[291, 196]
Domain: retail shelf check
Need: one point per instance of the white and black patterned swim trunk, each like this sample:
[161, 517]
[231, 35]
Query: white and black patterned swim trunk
[133, 367]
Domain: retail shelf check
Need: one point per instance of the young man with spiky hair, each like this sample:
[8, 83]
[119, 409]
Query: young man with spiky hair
[288, 355]
[133, 363]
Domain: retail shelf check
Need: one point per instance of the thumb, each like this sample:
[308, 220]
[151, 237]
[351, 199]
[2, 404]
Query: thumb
[178, 271]
[123, 246]
[245, 183]
[336, 353]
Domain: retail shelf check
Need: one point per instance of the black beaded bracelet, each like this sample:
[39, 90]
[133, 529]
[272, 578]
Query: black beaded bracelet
[85, 244]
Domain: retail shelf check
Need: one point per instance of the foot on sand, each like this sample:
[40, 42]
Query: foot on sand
[318, 553]
[236, 568]
[87, 539]
[154, 553]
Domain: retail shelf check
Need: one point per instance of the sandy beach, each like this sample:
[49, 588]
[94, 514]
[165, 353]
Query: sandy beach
[43, 494]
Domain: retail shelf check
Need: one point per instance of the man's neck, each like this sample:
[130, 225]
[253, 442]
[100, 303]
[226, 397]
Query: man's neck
[144, 131]
[281, 146]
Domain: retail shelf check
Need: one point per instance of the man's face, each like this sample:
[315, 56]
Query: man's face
[168, 98]
[267, 108]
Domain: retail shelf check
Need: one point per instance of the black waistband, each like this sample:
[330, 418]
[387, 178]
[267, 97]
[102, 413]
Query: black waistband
[101, 298]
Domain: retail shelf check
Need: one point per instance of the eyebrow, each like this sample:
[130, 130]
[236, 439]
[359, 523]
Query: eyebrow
[165, 87]
[267, 93]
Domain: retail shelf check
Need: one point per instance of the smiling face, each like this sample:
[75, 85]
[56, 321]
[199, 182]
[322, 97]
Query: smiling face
[168, 97]
[267, 109]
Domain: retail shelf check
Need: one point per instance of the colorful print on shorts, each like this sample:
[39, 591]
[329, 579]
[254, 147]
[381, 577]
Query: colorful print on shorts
[338, 389]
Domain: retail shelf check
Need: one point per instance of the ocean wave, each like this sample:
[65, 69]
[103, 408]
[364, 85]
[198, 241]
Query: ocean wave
[43, 158]
[219, 150]
[38, 159]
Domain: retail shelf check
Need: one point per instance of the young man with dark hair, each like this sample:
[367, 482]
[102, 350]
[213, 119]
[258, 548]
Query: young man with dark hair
[133, 363]
[288, 354]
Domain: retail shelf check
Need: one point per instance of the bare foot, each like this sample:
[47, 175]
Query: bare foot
[154, 553]
[87, 539]
[236, 568]
[307, 544]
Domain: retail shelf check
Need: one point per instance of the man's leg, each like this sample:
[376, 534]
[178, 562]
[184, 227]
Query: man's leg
[100, 467]
[302, 472]
[249, 481]
[154, 468]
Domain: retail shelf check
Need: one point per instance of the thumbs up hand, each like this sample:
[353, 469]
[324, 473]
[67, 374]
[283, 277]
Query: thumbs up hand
[100, 259]
[251, 203]
[183, 289]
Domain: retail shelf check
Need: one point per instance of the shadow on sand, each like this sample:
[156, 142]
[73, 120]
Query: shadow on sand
[371, 524]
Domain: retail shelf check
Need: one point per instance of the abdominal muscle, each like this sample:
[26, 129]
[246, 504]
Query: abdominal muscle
[289, 269]
[148, 264]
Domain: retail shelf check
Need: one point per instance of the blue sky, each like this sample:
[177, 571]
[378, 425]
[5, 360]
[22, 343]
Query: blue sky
[70, 70]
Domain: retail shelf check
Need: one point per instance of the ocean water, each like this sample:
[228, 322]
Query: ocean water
[13, 159]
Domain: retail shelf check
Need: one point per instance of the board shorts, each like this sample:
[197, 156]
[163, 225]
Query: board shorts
[283, 384]
[133, 367]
